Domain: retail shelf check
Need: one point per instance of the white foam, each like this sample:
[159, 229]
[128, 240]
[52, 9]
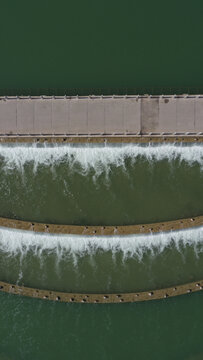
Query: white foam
[97, 156]
[13, 242]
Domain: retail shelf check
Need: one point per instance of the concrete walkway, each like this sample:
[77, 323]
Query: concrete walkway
[102, 115]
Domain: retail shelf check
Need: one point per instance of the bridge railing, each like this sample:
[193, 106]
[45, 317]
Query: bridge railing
[101, 91]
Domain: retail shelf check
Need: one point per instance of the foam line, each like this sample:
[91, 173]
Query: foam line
[97, 156]
[13, 242]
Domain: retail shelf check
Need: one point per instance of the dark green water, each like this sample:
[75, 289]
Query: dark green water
[111, 46]
[167, 329]
[70, 265]
[91, 47]
[101, 185]
[141, 193]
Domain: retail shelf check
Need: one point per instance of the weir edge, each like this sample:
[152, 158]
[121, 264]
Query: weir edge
[103, 138]
[101, 298]
[165, 226]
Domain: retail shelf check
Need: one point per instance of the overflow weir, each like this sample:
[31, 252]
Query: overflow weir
[98, 119]
[102, 298]
[164, 226]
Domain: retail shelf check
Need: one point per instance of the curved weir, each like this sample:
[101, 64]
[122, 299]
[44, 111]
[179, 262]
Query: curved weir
[96, 264]
[103, 230]
[102, 298]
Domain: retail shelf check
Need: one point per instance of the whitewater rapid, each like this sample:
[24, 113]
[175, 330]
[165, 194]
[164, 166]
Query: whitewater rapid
[99, 157]
[15, 242]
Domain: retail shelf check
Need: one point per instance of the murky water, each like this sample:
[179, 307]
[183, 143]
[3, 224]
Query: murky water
[101, 264]
[105, 184]
[101, 185]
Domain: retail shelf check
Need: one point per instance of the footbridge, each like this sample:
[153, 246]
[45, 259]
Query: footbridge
[110, 116]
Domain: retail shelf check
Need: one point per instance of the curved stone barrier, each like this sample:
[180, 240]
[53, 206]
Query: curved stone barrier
[102, 298]
[103, 230]
[100, 139]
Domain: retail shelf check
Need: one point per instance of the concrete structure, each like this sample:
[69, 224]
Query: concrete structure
[179, 224]
[102, 298]
[102, 115]
[95, 118]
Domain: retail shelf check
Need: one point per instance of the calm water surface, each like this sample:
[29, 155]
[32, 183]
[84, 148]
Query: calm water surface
[156, 330]
[111, 46]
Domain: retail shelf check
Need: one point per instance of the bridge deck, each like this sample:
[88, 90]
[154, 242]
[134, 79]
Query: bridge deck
[97, 115]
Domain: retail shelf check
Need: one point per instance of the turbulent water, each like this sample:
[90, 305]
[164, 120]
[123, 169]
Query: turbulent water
[97, 263]
[99, 157]
[101, 184]
[17, 241]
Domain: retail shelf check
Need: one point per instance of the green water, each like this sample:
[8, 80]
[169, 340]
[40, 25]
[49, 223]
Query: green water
[167, 329]
[26, 187]
[103, 271]
[102, 47]
[68, 191]
[100, 185]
